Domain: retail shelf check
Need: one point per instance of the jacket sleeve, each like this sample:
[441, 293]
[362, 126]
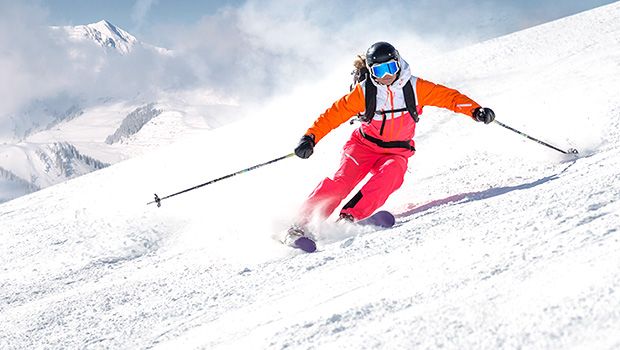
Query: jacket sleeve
[343, 109]
[430, 94]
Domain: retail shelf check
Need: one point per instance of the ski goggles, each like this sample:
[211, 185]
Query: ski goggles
[383, 69]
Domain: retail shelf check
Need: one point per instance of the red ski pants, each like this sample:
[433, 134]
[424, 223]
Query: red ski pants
[358, 159]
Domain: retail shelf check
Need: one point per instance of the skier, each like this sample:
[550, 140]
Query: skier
[386, 102]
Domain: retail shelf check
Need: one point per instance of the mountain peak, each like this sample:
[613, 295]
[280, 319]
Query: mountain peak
[105, 25]
[105, 22]
[104, 34]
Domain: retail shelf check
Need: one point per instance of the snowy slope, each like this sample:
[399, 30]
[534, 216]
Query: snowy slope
[500, 242]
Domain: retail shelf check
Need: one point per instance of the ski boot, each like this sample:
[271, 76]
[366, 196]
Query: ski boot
[344, 217]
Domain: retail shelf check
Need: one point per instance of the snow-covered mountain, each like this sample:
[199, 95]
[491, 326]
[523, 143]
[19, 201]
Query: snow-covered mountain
[106, 134]
[500, 242]
[13, 186]
[104, 34]
[107, 35]
[133, 122]
[102, 129]
[36, 166]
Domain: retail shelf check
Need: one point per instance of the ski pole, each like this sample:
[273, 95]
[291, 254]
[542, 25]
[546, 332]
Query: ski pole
[158, 200]
[569, 151]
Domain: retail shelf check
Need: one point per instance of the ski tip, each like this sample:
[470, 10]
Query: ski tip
[305, 244]
[388, 218]
[383, 219]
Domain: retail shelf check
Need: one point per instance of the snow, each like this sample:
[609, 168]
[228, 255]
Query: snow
[132, 128]
[500, 242]
[134, 122]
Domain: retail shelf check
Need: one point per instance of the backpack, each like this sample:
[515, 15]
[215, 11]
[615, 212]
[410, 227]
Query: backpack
[362, 75]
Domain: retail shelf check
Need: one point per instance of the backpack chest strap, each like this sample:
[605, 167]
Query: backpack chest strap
[371, 101]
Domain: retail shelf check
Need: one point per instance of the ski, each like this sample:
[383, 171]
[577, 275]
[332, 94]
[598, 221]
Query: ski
[382, 219]
[297, 238]
[306, 244]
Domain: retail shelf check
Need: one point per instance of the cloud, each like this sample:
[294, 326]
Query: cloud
[251, 51]
[140, 10]
[32, 63]
[45, 73]
[266, 47]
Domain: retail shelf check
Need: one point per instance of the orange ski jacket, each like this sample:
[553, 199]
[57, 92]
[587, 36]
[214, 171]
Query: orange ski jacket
[395, 126]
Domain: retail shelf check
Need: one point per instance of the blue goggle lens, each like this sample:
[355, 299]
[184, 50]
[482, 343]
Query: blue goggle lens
[381, 70]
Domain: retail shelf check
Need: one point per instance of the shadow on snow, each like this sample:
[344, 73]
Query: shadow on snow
[464, 198]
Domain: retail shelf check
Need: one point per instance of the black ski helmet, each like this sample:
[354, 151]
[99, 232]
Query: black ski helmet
[380, 52]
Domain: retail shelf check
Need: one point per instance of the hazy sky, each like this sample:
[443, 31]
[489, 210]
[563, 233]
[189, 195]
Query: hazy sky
[483, 18]
[243, 48]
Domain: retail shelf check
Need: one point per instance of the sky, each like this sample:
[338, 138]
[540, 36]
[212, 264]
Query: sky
[243, 49]
[138, 17]
[145, 17]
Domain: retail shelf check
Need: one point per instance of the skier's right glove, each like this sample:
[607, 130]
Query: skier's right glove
[305, 147]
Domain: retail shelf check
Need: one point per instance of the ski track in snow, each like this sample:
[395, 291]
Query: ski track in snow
[499, 242]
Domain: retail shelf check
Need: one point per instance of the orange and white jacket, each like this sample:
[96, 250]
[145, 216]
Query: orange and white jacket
[398, 126]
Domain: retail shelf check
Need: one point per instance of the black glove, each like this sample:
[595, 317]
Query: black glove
[483, 114]
[305, 147]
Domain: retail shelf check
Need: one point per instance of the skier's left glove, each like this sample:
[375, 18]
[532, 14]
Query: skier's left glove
[483, 114]
[305, 148]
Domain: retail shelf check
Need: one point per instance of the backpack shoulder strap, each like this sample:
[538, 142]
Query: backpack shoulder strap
[410, 101]
[370, 95]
